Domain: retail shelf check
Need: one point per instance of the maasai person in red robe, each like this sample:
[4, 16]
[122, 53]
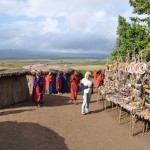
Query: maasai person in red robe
[75, 81]
[95, 74]
[37, 88]
[99, 81]
[50, 83]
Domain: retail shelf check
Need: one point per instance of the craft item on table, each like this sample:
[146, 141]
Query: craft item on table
[116, 99]
[137, 85]
[143, 78]
[129, 85]
[134, 104]
[128, 68]
[144, 112]
[148, 65]
[106, 73]
[111, 74]
[138, 78]
[119, 66]
[131, 67]
[124, 68]
[127, 99]
[136, 68]
[115, 67]
[147, 90]
[146, 95]
[133, 82]
[136, 91]
[126, 94]
[147, 105]
[145, 86]
[147, 100]
[141, 68]
[110, 68]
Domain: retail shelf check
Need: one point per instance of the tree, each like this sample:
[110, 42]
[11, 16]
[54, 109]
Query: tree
[122, 44]
[142, 7]
[134, 37]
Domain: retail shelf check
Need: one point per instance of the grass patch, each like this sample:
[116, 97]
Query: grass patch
[78, 64]
[89, 67]
[7, 64]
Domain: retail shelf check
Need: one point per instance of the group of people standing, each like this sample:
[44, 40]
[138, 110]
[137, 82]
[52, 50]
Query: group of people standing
[52, 84]
[99, 77]
[56, 84]
[49, 84]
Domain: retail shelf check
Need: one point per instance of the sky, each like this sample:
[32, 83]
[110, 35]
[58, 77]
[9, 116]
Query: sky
[77, 26]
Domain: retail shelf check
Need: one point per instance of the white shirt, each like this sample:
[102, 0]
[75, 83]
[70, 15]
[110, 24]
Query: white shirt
[88, 83]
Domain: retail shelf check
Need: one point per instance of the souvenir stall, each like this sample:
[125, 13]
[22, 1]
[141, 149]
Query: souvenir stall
[127, 86]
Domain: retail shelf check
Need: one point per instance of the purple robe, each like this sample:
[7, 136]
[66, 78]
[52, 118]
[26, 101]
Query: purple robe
[64, 84]
[58, 82]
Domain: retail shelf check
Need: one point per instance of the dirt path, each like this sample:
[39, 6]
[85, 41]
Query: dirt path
[59, 125]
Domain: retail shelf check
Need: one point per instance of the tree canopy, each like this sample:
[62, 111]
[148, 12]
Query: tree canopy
[135, 36]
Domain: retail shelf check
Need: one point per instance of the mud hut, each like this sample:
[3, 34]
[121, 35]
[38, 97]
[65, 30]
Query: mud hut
[16, 84]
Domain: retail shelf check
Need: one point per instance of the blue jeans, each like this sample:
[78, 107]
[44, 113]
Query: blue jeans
[86, 101]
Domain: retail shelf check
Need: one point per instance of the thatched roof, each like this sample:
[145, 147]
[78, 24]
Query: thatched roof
[31, 69]
[45, 68]
[8, 71]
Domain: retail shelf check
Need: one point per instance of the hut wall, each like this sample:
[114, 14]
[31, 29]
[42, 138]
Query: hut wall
[6, 92]
[14, 89]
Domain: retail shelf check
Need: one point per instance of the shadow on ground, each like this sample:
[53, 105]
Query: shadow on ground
[96, 111]
[48, 101]
[55, 100]
[27, 136]
[14, 111]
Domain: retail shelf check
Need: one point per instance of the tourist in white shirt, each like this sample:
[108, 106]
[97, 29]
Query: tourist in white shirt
[87, 88]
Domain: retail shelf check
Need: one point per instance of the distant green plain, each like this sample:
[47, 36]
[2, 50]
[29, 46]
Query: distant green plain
[78, 64]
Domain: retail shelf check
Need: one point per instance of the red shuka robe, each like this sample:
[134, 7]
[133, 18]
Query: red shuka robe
[48, 79]
[99, 79]
[75, 81]
[95, 74]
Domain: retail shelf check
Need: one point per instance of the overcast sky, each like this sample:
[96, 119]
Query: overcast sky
[61, 25]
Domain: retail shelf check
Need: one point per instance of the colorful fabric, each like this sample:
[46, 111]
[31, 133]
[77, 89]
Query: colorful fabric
[99, 81]
[50, 84]
[58, 82]
[64, 84]
[75, 81]
[95, 74]
[37, 88]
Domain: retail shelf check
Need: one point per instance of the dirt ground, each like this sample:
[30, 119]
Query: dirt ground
[59, 125]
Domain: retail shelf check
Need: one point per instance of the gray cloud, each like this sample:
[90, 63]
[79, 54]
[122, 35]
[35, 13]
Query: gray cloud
[78, 26]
